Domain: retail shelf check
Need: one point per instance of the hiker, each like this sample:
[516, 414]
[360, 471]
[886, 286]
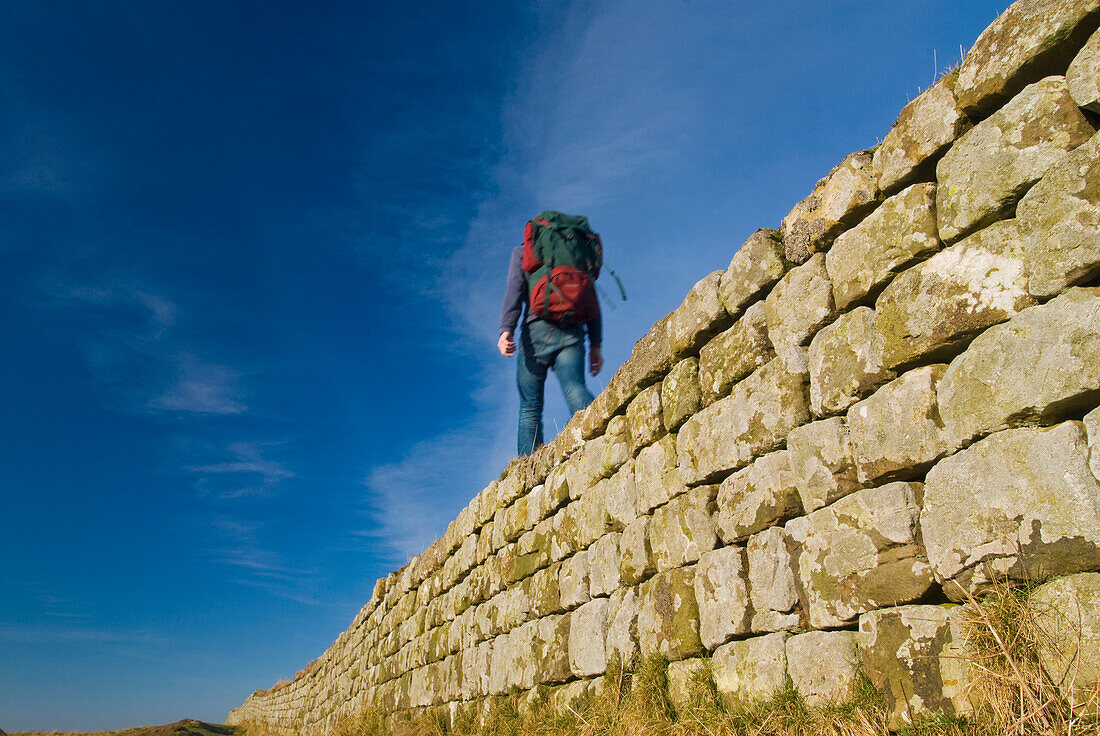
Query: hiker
[551, 279]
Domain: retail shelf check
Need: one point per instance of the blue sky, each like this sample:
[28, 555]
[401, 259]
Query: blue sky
[251, 260]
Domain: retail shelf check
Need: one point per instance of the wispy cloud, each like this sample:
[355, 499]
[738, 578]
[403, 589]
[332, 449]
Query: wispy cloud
[261, 567]
[249, 473]
[81, 635]
[201, 388]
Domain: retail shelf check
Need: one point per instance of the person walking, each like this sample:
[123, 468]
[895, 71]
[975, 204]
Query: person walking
[550, 284]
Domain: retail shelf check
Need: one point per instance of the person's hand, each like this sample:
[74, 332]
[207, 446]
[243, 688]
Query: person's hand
[507, 346]
[595, 361]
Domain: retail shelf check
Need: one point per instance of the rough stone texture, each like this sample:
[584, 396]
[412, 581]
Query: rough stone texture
[752, 420]
[846, 194]
[772, 586]
[573, 582]
[914, 655]
[824, 665]
[924, 130]
[550, 650]
[698, 318]
[820, 463]
[681, 395]
[683, 529]
[1068, 612]
[757, 497]
[861, 553]
[622, 626]
[1039, 366]
[897, 432]
[652, 355]
[734, 354]
[800, 304]
[655, 475]
[983, 175]
[898, 233]
[588, 639]
[756, 265]
[1027, 42]
[1021, 503]
[1083, 75]
[636, 559]
[617, 497]
[845, 361]
[1060, 223]
[931, 311]
[685, 679]
[668, 616]
[603, 563]
[1092, 429]
[751, 670]
[643, 415]
[722, 594]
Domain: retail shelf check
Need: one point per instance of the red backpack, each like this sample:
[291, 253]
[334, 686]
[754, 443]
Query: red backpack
[562, 257]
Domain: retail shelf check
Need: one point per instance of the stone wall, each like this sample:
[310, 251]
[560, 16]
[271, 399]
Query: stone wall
[872, 412]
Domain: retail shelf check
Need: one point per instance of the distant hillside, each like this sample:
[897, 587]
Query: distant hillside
[186, 727]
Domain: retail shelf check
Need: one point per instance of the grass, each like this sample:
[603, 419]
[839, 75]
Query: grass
[186, 727]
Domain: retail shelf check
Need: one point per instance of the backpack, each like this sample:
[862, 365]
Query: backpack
[563, 257]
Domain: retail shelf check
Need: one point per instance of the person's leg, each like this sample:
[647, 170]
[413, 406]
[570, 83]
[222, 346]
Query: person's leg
[531, 381]
[569, 368]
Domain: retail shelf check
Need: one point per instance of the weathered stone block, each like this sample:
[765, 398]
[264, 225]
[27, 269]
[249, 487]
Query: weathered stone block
[573, 582]
[933, 309]
[565, 532]
[722, 594]
[618, 495]
[550, 649]
[756, 497]
[684, 680]
[643, 414]
[926, 127]
[845, 360]
[838, 201]
[820, 463]
[668, 616]
[751, 670]
[588, 639]
[1067, 610]
[914, 655]
[698, 318]
[734, 354]
[636, 559]
[1021, 503]
[656, 477]
[1027, 42]
[824, 665]
[651, 357]
[983, 175]
[603, 565]
[1092, 430]
[1083, 75]
[772, 586]
[800, 304]
[901, 231]
[681, 395]
[683, 529]
[622, 626]
[1060, 222]
[756, 265]
[752, 420]
[543, 592]
[1039, 366]
[897, 432]
[861, 553]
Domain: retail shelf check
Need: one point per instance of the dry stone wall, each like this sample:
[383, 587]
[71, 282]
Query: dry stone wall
[871, 413]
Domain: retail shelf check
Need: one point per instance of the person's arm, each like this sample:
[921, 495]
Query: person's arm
[515, 293]
[595, 341]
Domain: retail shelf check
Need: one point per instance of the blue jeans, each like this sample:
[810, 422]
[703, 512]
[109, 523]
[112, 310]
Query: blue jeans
[542, 345]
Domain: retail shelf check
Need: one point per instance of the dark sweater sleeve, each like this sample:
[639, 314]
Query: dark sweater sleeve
[515, 293]
[595, 329]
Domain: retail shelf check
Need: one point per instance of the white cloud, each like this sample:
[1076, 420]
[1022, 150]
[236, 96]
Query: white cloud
[200, 388]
